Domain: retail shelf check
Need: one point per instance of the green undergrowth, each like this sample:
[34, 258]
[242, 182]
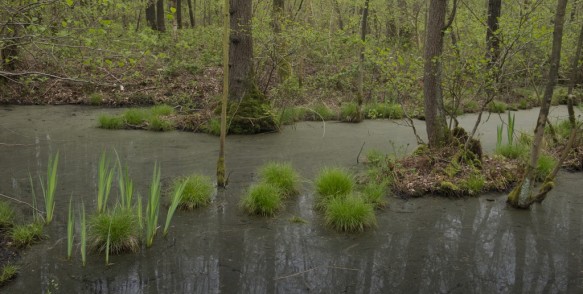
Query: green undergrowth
[26, 235]
[198, 191]
[383, 110]
[153, 118]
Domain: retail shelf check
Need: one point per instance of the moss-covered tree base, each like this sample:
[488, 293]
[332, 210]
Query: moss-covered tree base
[252, 115]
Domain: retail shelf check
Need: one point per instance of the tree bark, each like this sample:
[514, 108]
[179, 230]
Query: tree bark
[160, 22]
[363, 32]
[151, 15]
[522, 195]
[492, 40]
[179, 13]
[436, 124]
[221, 177]
[192, 12]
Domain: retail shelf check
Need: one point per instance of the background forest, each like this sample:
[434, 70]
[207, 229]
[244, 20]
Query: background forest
[306, 52]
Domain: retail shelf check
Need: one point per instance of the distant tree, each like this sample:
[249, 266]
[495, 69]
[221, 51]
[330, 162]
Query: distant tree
[151, 14]
[160, 22]
[492, 39]
[192, 12]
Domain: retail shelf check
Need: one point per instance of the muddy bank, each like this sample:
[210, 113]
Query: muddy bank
[428, 245]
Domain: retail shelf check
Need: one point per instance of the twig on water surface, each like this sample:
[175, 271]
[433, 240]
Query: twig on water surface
[359, 152]
[15, 145]
[20, 201]
[309, 270]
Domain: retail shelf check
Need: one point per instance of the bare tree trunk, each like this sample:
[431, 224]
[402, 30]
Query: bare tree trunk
[437, 130]
[151, 15]
[363, 32]
[192, 12]
[522, 195]
[221, 176]
[160, 22]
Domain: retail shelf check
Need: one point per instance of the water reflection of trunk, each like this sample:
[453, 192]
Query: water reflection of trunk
[230, 242]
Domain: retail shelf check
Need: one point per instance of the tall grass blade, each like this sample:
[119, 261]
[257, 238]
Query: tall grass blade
[153, 207]
[108, 244]
[36, 216]
[140, 212]
[70, 229]
[510, 129]
[50, 187]
[176, 198]
[105, 175]
[125, 184]
[83, 236]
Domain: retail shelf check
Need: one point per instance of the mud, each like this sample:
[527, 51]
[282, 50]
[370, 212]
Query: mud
[427, 245]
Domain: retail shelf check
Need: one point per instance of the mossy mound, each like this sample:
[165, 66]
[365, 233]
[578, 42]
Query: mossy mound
[252, 115]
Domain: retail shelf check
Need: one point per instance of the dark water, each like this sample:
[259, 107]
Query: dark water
[428, 245]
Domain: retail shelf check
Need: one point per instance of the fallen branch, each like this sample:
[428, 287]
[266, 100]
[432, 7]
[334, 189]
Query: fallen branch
[20, 201]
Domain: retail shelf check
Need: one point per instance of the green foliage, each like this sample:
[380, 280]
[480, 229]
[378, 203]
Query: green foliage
[332, 183]
[197, 192]
[110, 122]
[374, 156]
[9, 272]
[384, 110]
[262, 199]
[319, 111]
[156, 123]
[125, 185]
[174, 202]
[213, 126]
[349, 112]
[297, 220]
[26, 235]
[6, 215]
[281, 175]
[95, 98]
[135, 116]
[544, 166]
[50, 187]
[374, 194]
[70, 228]
[83, 246]
[497, 107]
[116, 230]
[291, 115]
[471, 106]
[349, 214]
[515, 151]
[474, 184]
[105, 178]
[161, 110]
[153, 207]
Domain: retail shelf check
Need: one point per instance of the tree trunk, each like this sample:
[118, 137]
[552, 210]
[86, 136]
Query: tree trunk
[192, 12]
[248, 108]
[338, 14]
[160, 22]
[522, 195]
[151, 15]
[179, 13]
[281, 62]
[363, 31]
[221, 176]
[437, 130]
[492, 40]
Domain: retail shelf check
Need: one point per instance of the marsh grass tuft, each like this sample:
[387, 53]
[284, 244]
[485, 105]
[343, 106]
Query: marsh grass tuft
[283, 176]
[119, 228]
[83, 247]
[497, 107]
[262, 199]
[174, 202]
[297, 220]
[197, 192]
[374, 194]
[6, 215]
[349, 214]
[544, 166]
[125, 184]
[50, 187]
[9, 272]
[156, 123]
[105, 177]
[153, 207]
[332, 183]
[70, 229]
[110, 122]
[26, 235]
[349, 112]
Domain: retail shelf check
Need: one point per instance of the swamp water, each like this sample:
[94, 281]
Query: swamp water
[426, 245]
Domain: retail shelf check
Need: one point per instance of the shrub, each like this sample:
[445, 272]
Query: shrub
[26, 235]
[544, 166]
[120, 226]
[197, 192]
[6, 215]
[110, 122]
[497, 107]
[262, 199]
[350, 214]
[281, 175]
[332, 183]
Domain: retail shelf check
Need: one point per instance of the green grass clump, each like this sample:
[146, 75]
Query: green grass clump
[6, 215]
[26, 235]
[161, 110]
[110, 122]
[544, 166]
[349, 112]
[350, 214]
[374, 194]
[156, 123]
[332, 183]
[197, 192]
[135, 116]
[474, 184]
[212, 126]
[384, 110]
[291, 115]
[514, 151]
[120, 225]
[297, 220]
[374, 156]
[262, 199]
[9, 272]
[471, 106]
[497, 107]
[281, 175]
[319, 112]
